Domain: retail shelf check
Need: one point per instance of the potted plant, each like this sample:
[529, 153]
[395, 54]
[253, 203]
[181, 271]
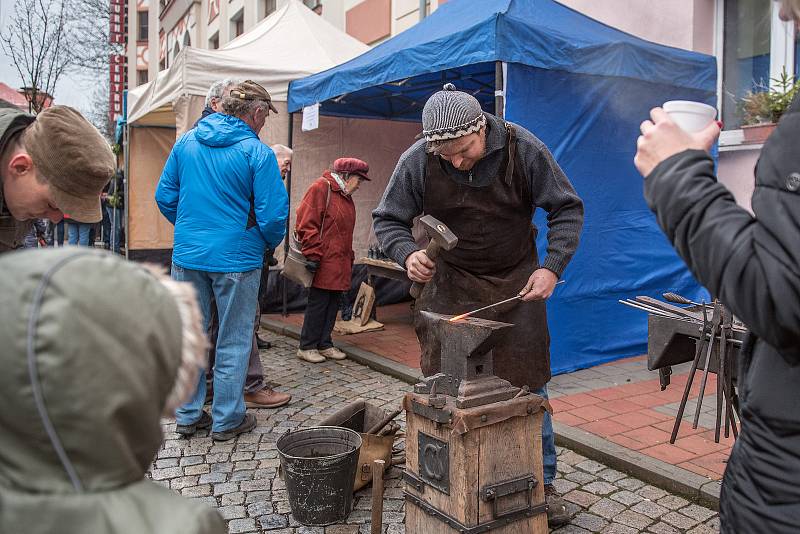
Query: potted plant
[763, 109]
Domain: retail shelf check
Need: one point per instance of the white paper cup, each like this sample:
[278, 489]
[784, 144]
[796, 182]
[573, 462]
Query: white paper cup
[690, 116]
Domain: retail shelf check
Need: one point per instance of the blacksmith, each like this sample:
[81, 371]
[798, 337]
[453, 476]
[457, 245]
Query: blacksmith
[484, 178]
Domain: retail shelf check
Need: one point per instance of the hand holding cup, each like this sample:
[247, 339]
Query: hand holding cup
[690, 125]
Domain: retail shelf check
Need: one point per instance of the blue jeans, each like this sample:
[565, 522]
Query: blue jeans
[548, 444]
[236, 295]
[78, 233]
[113, 229]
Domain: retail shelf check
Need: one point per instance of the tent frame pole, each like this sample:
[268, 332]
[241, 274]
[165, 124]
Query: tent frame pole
[499, 92]
[285, 288]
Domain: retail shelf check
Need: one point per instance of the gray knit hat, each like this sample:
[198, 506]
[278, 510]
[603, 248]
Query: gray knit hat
[450, 114]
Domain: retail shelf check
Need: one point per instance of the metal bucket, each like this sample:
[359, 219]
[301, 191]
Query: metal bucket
[319, 467]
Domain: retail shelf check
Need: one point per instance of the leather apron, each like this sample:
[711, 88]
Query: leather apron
[495, 256]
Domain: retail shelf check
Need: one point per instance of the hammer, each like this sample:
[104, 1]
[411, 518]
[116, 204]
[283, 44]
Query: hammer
[441, 238]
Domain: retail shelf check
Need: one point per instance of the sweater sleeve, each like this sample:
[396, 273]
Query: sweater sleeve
[401, 203]
[552, 191]
[726, 248]
[309, 219]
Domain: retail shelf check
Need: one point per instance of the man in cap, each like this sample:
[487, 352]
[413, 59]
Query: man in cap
[50, 164]
[484, 178]
[222, 190]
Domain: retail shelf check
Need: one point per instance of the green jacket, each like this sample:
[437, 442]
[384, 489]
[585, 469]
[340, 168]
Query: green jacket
[12, 232]
[107, 343]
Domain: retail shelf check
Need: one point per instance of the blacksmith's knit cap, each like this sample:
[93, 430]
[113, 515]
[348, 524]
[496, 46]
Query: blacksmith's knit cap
[450, 114]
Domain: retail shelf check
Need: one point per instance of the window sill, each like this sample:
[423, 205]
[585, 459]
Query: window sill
[733, 141]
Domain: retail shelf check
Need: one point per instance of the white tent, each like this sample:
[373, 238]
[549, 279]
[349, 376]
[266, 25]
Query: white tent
[291, 43]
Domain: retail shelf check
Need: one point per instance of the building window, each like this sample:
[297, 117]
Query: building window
[213, 43]
[141, 76]
[314, 5]
[237, 24]
[266, 8]
[142, 18]
[755, 47]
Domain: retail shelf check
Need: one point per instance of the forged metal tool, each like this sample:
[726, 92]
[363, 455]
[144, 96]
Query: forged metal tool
[698, 351]
[715, 322]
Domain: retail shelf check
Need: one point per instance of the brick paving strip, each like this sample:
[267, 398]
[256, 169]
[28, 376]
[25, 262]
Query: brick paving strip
[240, 477]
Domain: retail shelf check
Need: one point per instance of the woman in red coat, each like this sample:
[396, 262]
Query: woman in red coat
[326, 218]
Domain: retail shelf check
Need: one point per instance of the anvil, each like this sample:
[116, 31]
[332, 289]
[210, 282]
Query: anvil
[466, 361]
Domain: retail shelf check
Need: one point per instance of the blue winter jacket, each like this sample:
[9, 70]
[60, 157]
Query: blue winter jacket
[222, 190]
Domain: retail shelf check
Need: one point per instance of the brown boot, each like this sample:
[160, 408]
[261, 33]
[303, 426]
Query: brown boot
[266, 398]
[557, 514]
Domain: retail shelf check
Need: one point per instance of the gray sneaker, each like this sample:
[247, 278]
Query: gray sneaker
[247, 424]
[189, 430]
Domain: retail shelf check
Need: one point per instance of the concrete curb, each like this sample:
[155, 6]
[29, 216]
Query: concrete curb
[651, 470]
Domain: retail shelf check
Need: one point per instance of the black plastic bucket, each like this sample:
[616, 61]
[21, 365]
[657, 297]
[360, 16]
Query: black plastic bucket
[319, 467]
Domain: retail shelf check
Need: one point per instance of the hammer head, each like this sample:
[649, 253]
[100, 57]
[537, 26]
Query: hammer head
[439, 232]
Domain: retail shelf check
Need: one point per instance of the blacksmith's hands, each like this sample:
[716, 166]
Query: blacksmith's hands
[420, 267]
[662, 138]
[540, 285]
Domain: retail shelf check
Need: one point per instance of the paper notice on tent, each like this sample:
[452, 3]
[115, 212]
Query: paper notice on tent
[311, 117]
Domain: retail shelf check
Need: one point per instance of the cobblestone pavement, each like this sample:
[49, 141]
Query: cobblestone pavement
[240, 477]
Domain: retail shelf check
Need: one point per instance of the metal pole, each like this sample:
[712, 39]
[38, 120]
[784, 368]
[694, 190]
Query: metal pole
[126, 146]
[499, 92]
[423, 9]
[284, 282]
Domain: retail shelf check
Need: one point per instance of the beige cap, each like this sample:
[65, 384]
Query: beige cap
[250, 90]
[73, 158]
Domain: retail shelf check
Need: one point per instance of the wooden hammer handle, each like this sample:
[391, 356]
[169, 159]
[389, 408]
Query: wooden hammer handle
[432, 252]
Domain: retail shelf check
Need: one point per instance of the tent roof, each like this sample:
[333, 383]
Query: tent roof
[388, 80]
[291, 43]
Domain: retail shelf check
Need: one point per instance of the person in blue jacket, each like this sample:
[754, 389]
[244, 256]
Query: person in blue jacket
[222, 190]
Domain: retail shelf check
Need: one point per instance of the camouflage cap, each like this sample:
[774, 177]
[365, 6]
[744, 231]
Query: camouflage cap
[250, 90]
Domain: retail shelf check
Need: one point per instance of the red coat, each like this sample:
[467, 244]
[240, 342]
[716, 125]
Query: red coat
[335, 250]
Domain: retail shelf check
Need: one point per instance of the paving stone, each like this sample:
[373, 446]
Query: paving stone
[591, 522]
[191, 460]
[650, 509]
[183, 482]
[563, 485]
[606, 508]
[697, 512]
[611, 475]
[259, 508]
[571, 529]
[673, 502]
[591, 466]
[651, 493]
[197, 491]
[240, 526]
[212, 478]
[233, 498]
[166, 473]
[166, 462]
[579, 477]
[703, 529]
[630, 484]
[310, 530]
[625, 497]
[197, 469]
[632, 519]
[663, 528]
[232, 512]
[581, 498]
[679, 520]
[617, 528]
[599, 488]
[273, 521]
[341, 529]
[225, 487]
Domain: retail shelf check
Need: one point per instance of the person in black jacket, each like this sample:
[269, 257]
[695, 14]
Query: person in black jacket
[752, 263]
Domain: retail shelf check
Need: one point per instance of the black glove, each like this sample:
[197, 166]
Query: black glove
[312, 266]
[270, 258]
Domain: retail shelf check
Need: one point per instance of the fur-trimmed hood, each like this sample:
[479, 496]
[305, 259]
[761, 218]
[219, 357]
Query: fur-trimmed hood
[91, 349]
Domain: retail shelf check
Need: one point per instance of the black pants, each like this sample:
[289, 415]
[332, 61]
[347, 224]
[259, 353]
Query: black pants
[323, 304]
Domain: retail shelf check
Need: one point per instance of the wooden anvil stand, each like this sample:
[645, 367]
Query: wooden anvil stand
[474, 441]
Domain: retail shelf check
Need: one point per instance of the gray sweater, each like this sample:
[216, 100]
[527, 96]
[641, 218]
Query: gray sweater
[551, 191]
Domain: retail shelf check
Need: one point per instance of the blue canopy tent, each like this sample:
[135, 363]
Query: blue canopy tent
[583, 88]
